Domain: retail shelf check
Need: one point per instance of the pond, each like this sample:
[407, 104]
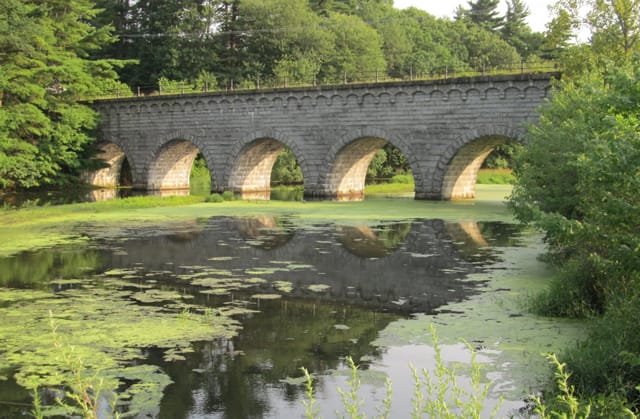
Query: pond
[214, 316]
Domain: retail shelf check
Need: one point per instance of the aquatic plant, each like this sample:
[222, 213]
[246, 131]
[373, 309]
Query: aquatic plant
[311, 409]
[437, 394]
[350, 398]
[97, 333]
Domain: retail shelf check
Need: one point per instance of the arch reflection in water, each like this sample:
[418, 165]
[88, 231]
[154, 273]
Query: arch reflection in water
[416, 267]
[373, 242]
[425, 265]
[265, 231]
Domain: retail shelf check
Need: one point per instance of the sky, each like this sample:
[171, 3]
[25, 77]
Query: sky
[445, 8]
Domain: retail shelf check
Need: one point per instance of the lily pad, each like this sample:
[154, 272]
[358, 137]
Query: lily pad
[319, 287]
[266, 296]
[294, 381]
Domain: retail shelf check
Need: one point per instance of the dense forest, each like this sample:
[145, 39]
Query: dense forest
[233, 44]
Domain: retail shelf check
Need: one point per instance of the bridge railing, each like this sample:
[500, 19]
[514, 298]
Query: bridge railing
[371, 77]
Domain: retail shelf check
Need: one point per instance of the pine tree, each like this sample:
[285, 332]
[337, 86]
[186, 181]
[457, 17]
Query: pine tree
[45, 71]
[485, 13]
[515, 30]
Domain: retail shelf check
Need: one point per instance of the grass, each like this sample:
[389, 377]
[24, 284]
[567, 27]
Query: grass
[495, 177]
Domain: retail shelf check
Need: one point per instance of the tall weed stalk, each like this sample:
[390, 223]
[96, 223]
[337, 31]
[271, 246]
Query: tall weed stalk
[436, 394]
[83, 389]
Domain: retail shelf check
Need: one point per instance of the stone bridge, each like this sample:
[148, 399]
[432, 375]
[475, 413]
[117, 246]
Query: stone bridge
[445, 128]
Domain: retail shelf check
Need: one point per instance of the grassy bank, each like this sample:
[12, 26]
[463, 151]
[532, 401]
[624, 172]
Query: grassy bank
[495, 177]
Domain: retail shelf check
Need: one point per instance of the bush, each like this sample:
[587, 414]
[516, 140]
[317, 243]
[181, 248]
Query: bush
[214, 197]
[228, 196]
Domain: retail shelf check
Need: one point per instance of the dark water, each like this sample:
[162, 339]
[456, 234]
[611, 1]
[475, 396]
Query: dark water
[347, 283]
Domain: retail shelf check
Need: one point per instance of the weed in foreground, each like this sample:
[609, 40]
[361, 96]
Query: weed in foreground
[437, 394]
[84, 391]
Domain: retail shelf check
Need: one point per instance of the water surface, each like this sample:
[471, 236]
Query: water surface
[298, 294]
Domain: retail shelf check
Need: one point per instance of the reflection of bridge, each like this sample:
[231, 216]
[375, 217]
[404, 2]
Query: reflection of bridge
[445, 128]
[422, 267]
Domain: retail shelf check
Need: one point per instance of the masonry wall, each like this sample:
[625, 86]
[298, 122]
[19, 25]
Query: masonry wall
[429, 121]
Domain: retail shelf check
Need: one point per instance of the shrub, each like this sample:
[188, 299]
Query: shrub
[214, 197]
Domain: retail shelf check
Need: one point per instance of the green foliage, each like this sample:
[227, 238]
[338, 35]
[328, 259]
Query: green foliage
[358, 47]
[613, 27]
[386, 163]
[214, 197]
[286, 170]
[244, 44]
[310, 404]
[406, 179]
[495, 177]
[442, 396]
[502, 156]
[437, 393]
[564, 402]
[483, 13]
[200, 177]
[228, 196]
[43, 128]
[577, 181]
[351, 400]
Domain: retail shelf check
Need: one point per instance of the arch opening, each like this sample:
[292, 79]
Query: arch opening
[287, 182]
[200, 176]
[348, 174]
[172, 166]
[363, 161]
[117, 171]
[252, 171]
[461, 175]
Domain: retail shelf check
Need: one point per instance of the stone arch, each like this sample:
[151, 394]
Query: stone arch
[107, 177]
[171, 161]
[457, 169]
[253, 158]
[349, 158]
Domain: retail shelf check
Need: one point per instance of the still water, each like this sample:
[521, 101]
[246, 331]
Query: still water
[296, 295]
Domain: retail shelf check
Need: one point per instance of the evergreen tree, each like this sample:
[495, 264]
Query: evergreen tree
[45, 71]
[515, 30]
[484, 13]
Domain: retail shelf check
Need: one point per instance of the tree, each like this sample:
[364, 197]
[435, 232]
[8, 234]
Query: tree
[487, 49]
[431, 45]
[46, 70]
[559, 34]
[284, 40]
[358, 49]
[173, 39]
[517, 32]
[483, 13]
[577, 176]
[578, 182]
[615, 26]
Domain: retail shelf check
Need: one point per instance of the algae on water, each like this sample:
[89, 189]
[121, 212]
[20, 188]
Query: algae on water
[97, 329]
